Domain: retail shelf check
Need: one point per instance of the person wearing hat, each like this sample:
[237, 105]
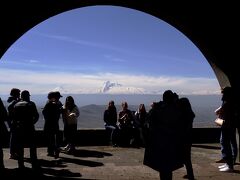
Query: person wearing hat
[25, 115]
[51, 113]
[12, 100]
[57, 94]
[14, 95]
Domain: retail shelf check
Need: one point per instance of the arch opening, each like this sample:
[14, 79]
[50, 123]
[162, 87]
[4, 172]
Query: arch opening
[106, 84]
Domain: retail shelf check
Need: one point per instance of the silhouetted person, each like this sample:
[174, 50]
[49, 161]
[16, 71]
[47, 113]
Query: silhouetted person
[25, 115]
[51, 113]
[233, 138]
[186, 119]
[3, 133]
[141, 125]
[237, 120]
[70, 117]
[110, 119]
[163, 151]
[125, 120]
[12, 100]
[228, 129]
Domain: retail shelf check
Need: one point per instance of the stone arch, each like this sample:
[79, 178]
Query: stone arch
[213, 28]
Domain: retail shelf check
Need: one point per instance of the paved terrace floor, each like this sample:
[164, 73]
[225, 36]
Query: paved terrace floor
[106, 162]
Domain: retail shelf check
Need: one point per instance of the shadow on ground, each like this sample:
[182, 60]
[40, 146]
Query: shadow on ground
[56, 168]
[43, 173]
[87, 153]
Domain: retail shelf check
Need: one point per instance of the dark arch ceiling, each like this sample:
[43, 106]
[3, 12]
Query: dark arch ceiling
[213, 28]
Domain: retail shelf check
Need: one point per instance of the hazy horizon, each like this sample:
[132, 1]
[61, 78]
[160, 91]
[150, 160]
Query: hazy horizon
[92, 107]
[133, 99]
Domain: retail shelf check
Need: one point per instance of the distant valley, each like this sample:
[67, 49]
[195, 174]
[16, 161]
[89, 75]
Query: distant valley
[92, 107]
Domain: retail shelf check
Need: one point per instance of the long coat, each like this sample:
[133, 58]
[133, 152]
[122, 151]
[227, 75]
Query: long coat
[163, 151]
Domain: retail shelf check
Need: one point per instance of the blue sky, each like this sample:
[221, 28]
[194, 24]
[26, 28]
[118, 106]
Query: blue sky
[79, 50]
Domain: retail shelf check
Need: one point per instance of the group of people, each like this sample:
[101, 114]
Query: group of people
[21, 116]
[126, 128]
[165, 132]
[170, 126]
[52, 111]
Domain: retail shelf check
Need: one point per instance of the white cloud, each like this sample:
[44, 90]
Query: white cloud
[74, 40]
[114, 59]
[42, 82]
[33, 61]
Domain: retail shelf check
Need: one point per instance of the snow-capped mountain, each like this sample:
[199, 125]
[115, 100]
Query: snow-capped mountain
[60, 89]
[116, 88]
[107, 86]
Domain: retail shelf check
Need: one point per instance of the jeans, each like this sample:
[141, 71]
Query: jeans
[227, 137]
[111, 131]
[233, 142]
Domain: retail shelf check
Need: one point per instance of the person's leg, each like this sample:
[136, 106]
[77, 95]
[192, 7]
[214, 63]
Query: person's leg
[20, 152]
[115, 137]
[226, 133]
[146, 135]
[223, 154]
[50, 143]
[165, 175]
[11, 146]
[57, 141]
[238, 140]
[188, 162]
[108, 132]
[72, 137]
[33, 148]
[188, 165]
[127, 136]
[13, 143]
[1, 159]
[33, 157]
[141, 137]
[233, 140]
[121, 137]
[20, 148]
[111, 137]
[33, 152]
[223, 151]
[65, 136]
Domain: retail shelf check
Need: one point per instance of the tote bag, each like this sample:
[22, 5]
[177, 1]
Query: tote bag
[219, 121]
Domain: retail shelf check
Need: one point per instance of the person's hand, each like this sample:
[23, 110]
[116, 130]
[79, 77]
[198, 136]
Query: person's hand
[72, 114]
